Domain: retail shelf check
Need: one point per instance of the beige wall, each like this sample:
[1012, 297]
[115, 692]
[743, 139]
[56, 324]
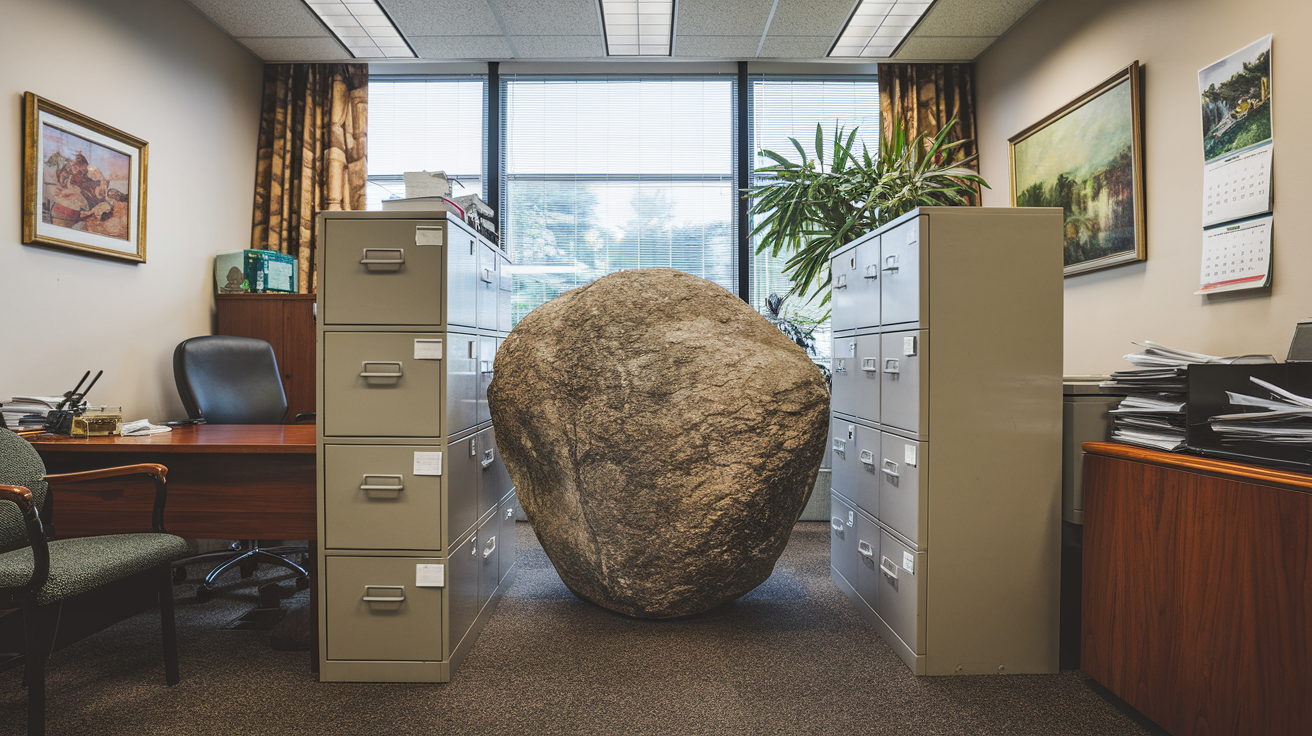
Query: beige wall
[160, 71]
[1067, 46]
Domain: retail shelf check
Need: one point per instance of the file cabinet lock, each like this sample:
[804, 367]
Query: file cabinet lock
[887, 567]
[510, 513]
[371, 261]
[864, 548]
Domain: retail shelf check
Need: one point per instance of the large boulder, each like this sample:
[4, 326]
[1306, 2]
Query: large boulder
[663, 437]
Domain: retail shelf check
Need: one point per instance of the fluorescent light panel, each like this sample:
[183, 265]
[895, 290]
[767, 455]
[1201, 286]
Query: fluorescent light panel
[363, 28]
[876, 28]
[638, 27]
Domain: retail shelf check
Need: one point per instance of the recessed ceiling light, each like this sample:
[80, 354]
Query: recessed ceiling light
[363, 27]
[637, 27]
[877, 27]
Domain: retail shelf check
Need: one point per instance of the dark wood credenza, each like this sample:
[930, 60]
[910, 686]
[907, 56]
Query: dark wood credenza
[285, 321]
[1197, 591]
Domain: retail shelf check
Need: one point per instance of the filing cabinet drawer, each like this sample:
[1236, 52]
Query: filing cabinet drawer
[374, 500]
[902, 497]
[374, 610]
[463, 280]
[900, 570]
[462, 587]
[855, 457]
[462, 382]
[489, 286]
[488, 551]
[374, 386]
[383, 272]
[843, 281]
[855, 376]
[866, 283]
[490, 489]
[904, 381]
[843, 369]
[842, 538]
[487, 356]
[867, 560]
[506, 513]
[463, 473]
[899, 272]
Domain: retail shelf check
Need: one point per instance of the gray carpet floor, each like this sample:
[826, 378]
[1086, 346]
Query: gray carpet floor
[791, 657]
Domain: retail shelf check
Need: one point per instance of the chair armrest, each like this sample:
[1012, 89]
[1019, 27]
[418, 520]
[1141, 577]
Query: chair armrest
[305, 416]
[36, 536]
[157, 473]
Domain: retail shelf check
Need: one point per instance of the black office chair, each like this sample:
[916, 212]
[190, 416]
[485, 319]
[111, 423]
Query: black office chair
[234, 380]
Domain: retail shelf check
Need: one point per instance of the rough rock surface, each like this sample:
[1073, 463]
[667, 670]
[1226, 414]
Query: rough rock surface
[663, 438]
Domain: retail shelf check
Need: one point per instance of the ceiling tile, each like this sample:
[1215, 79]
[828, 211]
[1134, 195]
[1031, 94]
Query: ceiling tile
[558, 47]
[443, 17]
[795, 47]
[716, 47]
[810, 18]
[461, 47]
[554, 18]
[295, 49]
[263, 18]
[946, 48]
[973, 17]
[722, 18]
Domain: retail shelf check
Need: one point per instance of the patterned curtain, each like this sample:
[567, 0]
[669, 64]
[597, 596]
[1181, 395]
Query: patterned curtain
[311, 155]
[925, 97]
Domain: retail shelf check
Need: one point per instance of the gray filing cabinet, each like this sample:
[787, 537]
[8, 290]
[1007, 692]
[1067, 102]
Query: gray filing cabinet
[416, 510]
[946, 436]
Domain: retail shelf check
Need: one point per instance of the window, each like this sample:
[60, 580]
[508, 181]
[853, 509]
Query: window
[426, 124]
[609, 173]
[783, 107]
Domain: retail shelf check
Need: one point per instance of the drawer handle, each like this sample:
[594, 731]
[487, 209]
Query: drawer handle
[872, 271]
[836, 524]
[864, 548]
[488, 457]
[867, 457]
[840, 448]
[891, 365]
[489, 275]
[490, 547]
[368, 487]
[870, 365]
[396, 262]
[841, 281]
[887, 567]
[384, 598]
[890, 468]
[473, 546]
[510, 513]
[890, 264]
[366, 373]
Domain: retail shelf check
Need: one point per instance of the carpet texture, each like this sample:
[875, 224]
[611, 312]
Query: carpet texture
[791, 657]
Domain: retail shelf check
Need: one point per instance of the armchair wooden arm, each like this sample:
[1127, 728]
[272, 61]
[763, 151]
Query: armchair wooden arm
[157, 473]
[36, 536]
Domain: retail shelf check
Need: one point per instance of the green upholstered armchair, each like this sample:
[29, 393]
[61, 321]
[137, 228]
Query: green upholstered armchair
[37, 574]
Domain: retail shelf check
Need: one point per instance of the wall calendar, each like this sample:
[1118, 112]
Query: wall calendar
[1237, 186]
[1236, 256]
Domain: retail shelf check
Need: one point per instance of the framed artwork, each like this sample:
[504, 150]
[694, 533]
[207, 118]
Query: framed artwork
[1087, 158]
[84, 184]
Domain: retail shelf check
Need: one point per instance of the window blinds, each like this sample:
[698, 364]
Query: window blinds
[426, 124]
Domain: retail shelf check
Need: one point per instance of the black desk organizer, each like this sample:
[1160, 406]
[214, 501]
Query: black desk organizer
[1207, 387]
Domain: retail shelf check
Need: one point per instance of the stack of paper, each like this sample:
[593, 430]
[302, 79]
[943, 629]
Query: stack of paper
[1285, 418]
[26, 412]
[1153, 415]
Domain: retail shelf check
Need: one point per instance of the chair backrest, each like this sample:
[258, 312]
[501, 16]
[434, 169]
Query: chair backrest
[229, 380]
[20, 465]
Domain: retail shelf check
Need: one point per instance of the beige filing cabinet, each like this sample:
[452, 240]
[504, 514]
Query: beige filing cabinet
[947, 436]
[416, 509]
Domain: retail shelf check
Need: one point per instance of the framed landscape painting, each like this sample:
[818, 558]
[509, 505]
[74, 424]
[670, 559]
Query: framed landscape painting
[1087, 158]
[84, 184]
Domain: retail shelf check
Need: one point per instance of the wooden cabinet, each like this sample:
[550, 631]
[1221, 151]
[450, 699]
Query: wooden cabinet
[285, 321]
[1197, 601]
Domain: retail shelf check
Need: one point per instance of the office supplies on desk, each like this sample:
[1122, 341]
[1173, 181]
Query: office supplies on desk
[97, 421]
[143, 427]
[60, 419]
[1252, 413]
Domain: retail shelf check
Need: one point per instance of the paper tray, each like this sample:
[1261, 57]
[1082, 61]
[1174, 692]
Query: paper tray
[1208, 385]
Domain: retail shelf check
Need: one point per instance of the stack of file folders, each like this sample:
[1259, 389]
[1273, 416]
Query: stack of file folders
[1285, 418]
[1153, 414]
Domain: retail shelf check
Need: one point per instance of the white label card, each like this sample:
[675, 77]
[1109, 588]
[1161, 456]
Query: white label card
[428, 350]
[909, 345]
[913, 235]
[428, 235]
[909, 562]
[910, 455]
[430, 576]
[428, 463]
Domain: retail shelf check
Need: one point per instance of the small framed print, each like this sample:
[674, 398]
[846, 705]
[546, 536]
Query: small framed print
[84, 184]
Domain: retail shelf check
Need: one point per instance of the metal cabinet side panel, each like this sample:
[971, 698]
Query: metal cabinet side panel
[462, 382]
[462, 279]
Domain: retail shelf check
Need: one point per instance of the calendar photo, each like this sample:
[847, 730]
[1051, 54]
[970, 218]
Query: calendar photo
[1236, 101]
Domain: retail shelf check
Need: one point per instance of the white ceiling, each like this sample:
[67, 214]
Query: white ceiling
[568, 30]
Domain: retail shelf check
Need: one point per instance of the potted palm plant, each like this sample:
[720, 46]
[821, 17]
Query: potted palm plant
[809, 210]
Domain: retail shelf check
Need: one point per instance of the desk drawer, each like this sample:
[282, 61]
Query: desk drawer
[904, 381]
[401, 622]
[383, 272]
[855, 459]
[373, 499]
[375, 386]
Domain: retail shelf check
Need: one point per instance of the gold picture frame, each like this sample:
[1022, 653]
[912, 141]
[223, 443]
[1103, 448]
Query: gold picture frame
[1087, 158]
[84, 183]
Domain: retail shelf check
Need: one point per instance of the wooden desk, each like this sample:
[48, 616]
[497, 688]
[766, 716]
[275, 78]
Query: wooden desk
[1197, 595]
[232, 481]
